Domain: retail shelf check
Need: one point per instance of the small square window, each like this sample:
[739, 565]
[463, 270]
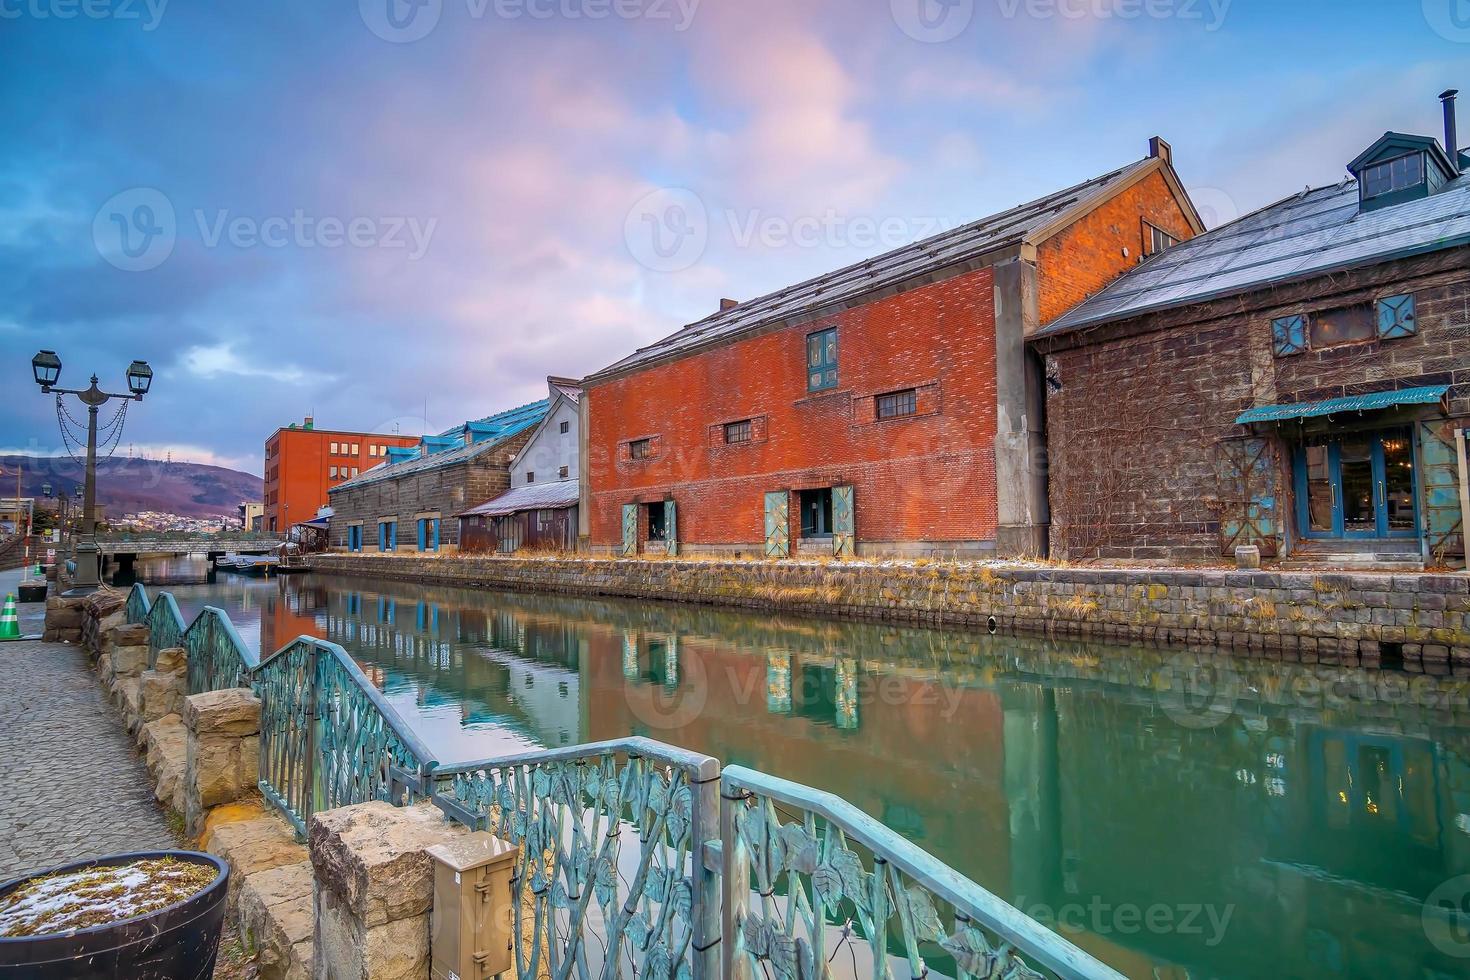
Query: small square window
[1396, 317]
[354, 449]
[566, 427]
[333, 450]
[736, 432]
[530, 477]
[640, 448]
[1289, 335]
[821, 360]
[332, 472]
[564, 472]
[897, 404]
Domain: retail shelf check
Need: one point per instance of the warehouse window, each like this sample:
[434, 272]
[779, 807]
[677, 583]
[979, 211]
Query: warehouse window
[737, 431]
[1156, 240]
[897, 404]
[566, 427]
[821, 360]
[640, 448]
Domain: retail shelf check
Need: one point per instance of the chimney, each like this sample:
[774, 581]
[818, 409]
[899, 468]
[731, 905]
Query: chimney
[1451, 139]
[309, 423]
[728, 304]
[1159, 147]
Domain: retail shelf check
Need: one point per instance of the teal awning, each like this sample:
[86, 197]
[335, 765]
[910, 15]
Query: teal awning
[1375, 402]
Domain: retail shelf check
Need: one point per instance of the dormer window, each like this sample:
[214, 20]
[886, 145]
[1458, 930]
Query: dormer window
[1400, 168]
[1393, 175]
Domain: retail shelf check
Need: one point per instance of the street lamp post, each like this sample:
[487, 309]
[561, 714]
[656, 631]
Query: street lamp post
[47, 369]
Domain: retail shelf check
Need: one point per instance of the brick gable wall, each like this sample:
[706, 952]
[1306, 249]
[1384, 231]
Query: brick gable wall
[1077, 262]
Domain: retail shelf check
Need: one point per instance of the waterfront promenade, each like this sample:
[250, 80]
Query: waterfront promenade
[72, 785]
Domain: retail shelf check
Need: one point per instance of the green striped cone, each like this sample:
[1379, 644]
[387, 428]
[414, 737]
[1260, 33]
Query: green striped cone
[9, 621]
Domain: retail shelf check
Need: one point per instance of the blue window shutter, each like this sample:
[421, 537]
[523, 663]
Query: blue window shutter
[1289, 335]
[1396, 317]
[671, 528]
[436, 534]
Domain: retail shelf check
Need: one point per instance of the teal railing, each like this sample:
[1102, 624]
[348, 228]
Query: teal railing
[637, 857]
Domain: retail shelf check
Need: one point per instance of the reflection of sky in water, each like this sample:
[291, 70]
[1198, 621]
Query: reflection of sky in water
[1050, 772]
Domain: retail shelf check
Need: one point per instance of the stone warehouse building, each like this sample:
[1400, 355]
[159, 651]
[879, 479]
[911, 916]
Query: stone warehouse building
[886, 408]
[1297, 380]
[408, 503]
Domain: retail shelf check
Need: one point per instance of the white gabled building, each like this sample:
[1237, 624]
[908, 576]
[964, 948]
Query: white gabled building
[539, 511]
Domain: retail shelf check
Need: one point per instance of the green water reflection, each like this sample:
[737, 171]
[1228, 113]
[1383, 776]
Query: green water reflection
[1298, 836]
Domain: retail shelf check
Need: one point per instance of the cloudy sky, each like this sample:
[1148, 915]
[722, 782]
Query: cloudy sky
[390, 211]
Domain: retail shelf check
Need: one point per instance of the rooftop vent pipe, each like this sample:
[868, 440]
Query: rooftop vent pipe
[1451, 139]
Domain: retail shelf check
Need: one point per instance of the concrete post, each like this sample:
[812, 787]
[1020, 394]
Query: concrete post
[1020, 438]
[222, 751]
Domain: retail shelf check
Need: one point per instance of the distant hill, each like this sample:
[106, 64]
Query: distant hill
[128, 485]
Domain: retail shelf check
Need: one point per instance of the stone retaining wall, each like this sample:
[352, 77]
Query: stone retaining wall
[1421, 617]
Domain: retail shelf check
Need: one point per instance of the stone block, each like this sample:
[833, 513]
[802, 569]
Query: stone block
[254, 845]
[277, 920]
[222, 748]
[166, 755]
[128, 661]
[375, 889]
[234, 711]
[161, 693]
[172, 660]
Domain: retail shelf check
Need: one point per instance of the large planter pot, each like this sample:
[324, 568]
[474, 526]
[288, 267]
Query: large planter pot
[177, 942]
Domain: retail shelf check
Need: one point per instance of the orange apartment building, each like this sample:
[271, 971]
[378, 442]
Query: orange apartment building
[303, 462]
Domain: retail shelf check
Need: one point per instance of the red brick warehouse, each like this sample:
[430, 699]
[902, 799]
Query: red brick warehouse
[887, 408]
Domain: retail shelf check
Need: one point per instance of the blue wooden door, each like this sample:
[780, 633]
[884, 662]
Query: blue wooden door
[844, 523]
[778, 524]
[630, 530]
[671, 528]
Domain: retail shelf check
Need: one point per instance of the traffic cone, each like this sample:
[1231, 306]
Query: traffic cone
[9, 621]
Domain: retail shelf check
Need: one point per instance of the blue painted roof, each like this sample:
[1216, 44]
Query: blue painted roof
[1311, 233]
[1338, 406]
[490, 432]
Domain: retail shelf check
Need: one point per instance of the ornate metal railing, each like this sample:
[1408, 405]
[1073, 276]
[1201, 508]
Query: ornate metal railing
[612, 868]
[810, 880]
[328, 737]
[637, 858]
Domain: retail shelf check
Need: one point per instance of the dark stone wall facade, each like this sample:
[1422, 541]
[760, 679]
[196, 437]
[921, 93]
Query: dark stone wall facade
[1328, 618]
[447, 491]
[1139, 413]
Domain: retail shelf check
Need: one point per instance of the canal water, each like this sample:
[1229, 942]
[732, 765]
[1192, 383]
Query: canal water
[1302, 822]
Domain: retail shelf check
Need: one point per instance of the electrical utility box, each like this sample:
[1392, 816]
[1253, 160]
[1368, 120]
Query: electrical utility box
[470, 926]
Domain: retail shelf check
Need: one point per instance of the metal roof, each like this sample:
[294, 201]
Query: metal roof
[941, 251]
[491, 432]
[529, 496]
[1376, 401]
[1308, 234]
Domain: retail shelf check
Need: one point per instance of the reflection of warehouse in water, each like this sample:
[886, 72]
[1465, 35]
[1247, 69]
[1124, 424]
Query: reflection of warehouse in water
[1051, 773]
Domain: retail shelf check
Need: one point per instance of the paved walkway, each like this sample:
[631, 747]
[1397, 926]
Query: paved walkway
[71, 784]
